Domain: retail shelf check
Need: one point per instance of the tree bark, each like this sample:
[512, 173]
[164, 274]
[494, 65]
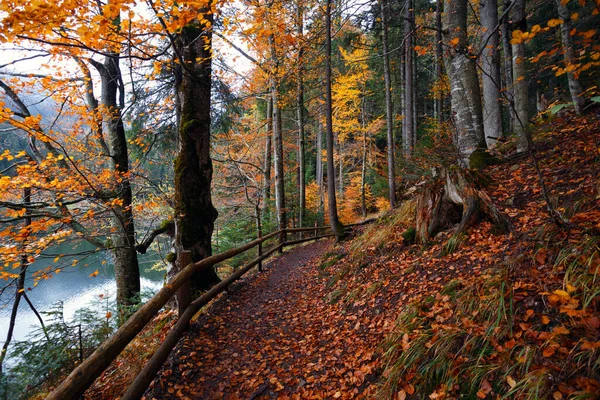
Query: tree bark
[319, 155]
[569, 53]
[194, 212]
[490, 66]
[278, 143]
[454, 198]
[439, 104]
[300, 116]
[336, 225]
[519, 78]
[409, 123]
[389, 115]
[20, 288]
[464, 84]
[127, 272]
[268, 154]
[508, 70]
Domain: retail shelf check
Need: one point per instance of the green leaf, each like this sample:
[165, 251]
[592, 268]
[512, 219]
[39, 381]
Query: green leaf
[595, 99]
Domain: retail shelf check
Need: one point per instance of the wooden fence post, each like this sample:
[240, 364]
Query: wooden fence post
[183, 293]
[281, 240]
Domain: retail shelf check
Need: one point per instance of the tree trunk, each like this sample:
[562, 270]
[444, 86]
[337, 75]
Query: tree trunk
[389, 115]
[409, 122]
[300, 116]
[319, 155]
[464, 85]
[336, 225]
[268, 154]
[439, 104]
[519, 78]
[127, 273]
[508, 70]
[490, 66]
[453, 197]
[194, 212]
[569, 54]
[20, 288]
[278, 144]
[363, 170]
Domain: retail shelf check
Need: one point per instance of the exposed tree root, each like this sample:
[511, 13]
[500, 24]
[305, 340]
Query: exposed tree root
[455, 197]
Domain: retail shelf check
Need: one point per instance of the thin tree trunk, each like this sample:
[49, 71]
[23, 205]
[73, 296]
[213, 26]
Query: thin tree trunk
[569, 53]
[439, 104]
[508, 70]
[519, 78]
[490, 65]
[278, 144]
[408, 140]
[363, 170]
[336, 226]
[19, 290]
[464, 84]
[127, 272]
[300, 116]
[268, 154]
[389, 115]
[341, 169]
[319, 155]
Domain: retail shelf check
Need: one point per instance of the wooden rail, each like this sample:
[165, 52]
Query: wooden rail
[86, 373]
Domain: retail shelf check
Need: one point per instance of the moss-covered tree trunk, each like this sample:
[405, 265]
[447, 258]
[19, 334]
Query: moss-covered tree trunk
[194, 212]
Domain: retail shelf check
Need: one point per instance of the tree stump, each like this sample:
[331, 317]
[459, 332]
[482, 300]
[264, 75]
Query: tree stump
[455, 197]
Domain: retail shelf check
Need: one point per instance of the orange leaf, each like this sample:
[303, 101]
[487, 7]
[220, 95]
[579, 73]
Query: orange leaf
[454, 41]
[548, 351]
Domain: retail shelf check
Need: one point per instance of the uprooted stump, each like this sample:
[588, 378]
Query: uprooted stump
[453, 197]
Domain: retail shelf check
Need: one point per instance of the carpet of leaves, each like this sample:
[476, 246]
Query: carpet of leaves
[312, 325]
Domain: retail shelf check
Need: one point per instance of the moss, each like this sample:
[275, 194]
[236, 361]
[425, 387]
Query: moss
[409, 235]
[167, 224]
[171, 257]
[480, 159]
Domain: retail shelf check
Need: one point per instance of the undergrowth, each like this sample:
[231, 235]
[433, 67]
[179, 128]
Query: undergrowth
[502, 336]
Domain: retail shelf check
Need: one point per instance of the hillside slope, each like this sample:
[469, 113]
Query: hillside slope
[513, 316]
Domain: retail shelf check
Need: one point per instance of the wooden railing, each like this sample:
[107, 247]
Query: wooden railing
[82, 377]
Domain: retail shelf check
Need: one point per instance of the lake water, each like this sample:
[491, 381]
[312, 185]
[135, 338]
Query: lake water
[73, 286]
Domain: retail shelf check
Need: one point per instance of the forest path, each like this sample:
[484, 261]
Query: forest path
[275, 335]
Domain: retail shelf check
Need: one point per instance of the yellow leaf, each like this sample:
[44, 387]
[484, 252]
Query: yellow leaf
[571, 288]
[545, 320]
[511, 382]
[562, 294]
[574, 16]
[94, 274]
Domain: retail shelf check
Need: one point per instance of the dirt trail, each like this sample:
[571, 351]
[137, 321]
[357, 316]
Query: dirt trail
[272, 336]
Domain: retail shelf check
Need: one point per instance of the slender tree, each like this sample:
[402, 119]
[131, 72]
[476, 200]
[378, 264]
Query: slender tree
[389, 114]
[336, 225]
[519, 78]
[300, 117]
[490, 67]
[569, 54]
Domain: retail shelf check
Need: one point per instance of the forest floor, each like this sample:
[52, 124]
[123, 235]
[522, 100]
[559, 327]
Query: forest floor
[513, 315]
